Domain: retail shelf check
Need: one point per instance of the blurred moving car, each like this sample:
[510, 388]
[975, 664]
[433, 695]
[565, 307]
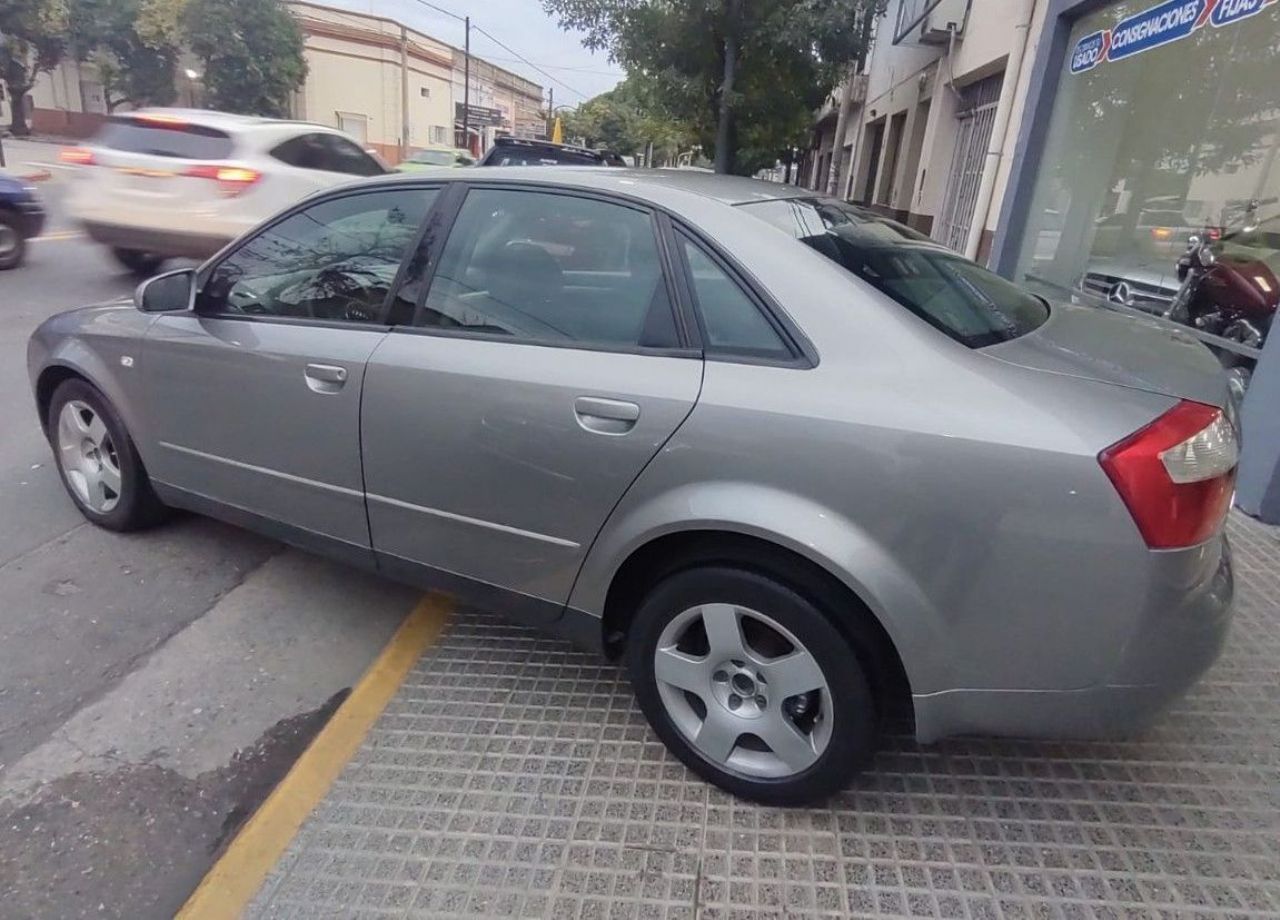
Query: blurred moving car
[517, 151]
[437, 158]
[159, 183]
[21, 218]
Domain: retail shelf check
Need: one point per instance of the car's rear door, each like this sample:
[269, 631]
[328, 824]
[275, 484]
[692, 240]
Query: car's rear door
[544, 367]
[255, 396]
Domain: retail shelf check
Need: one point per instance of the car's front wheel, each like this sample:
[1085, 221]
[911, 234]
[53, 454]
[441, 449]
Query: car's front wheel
[751, 685]
[13, 245]
[142, 264]
[97, 460]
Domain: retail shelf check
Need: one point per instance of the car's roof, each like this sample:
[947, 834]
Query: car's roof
[636, 182]
[226, 121]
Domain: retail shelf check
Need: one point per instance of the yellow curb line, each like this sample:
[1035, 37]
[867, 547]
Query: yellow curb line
[241, 869]
[58, 235]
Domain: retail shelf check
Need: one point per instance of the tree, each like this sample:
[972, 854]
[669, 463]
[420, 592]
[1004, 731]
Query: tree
[744, 74]
[134, 44]
[35, 39]
[627, 119]
[252, 54]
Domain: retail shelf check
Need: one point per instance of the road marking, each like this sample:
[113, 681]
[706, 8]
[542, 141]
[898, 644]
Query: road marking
[58, 235]
[239, 872]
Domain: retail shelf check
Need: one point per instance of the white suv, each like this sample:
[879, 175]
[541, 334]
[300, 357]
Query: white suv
[173, 182]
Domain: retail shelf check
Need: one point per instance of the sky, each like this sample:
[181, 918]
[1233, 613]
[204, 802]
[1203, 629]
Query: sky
[520, 24]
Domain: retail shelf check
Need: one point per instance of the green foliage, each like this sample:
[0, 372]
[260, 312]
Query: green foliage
[790, 56]
[627, 119]
[35, 39]
[252, 54]
[133, 43]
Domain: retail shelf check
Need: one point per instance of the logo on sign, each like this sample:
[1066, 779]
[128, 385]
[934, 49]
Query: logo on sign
[1160, 25]
[1225, 12]
[1090, 51]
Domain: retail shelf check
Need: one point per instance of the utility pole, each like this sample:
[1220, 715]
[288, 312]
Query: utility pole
[466, 84]
[404, 94]
[3, 41]
[551, 111]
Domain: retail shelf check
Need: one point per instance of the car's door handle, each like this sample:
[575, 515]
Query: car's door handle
[605, 416]
[325, 378]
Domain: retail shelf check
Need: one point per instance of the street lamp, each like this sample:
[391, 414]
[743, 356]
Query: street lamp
[192, 76]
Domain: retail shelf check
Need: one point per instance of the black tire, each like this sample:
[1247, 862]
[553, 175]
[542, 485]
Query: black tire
[142, 264]
[852, 707]
[136, 506]
[14, 242]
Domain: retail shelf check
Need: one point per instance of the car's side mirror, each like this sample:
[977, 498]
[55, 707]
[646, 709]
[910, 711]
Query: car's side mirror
[168, 293]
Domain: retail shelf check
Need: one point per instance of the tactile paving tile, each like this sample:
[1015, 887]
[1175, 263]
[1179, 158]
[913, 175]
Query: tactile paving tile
[514, 777]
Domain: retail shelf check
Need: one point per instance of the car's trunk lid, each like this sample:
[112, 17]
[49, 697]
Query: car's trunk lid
[1145, 354]
[147, 161]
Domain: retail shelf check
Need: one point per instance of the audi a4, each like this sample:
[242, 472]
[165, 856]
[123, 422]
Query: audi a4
[797, 467]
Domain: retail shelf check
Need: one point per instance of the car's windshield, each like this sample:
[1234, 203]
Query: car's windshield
[541, 156]
[972, 305]
[164, 137]
[434, 158]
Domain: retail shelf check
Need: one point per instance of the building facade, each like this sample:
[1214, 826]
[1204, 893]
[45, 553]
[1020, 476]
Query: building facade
[390, 87]
[927, 140]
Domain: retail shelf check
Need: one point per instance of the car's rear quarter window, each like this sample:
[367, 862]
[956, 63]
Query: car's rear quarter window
[180, 140]
[954, 295]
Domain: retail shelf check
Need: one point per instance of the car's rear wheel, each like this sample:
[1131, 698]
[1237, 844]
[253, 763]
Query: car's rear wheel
[751, 685]
[137, 261]
[13, 245]
[98, 462]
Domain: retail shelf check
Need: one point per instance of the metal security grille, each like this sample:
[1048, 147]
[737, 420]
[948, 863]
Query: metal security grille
[976, 115]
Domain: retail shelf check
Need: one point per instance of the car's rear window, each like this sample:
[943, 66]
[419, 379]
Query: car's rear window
[972, 305]
[176, 139]
[540, 156]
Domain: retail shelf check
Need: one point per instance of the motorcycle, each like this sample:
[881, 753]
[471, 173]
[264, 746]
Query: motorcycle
[1228, 283]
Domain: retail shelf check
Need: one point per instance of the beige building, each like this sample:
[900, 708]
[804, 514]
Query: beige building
[928, 140]
[392, 88]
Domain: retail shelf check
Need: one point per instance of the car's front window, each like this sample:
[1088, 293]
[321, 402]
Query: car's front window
[336, 260]
[972, 305]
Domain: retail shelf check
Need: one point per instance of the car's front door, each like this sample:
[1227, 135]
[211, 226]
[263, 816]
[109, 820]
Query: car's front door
[255, 396]
[542, 371]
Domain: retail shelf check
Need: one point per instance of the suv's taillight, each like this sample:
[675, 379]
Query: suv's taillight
[232, 180]
[1177, 474]
[76, 156]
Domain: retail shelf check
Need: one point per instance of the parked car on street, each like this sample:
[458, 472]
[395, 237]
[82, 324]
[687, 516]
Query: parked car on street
[517, 151]
[437, 158]
[22, 217]
[797, 466]
[159, 183]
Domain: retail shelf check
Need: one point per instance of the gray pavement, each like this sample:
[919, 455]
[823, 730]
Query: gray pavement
[513, 776]
[153, 687]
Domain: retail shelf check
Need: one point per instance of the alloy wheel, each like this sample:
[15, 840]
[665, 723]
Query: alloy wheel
[88, 456]
[743, 690]
[9, 241]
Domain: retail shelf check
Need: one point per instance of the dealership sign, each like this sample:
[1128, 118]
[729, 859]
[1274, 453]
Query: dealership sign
[1159, 25]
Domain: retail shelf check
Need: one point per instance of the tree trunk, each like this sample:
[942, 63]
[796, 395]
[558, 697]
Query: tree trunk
[18, 126]
[725, 152]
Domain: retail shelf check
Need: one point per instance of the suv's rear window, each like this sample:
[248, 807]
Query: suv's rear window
[165, 139]
[972, 305]
[523, 155]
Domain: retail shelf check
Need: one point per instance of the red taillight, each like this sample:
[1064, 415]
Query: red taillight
[76, 156]
[232, 180]
[1177, 474]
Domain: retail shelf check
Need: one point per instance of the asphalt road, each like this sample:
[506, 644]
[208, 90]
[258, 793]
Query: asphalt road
[153, 686]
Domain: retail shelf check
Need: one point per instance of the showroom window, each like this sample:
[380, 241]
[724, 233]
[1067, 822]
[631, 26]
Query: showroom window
[1166, 125]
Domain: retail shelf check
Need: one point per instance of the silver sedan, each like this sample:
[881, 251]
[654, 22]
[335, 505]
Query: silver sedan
[800, 468]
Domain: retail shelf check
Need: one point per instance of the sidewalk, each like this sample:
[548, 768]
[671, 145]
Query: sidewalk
[513, 776]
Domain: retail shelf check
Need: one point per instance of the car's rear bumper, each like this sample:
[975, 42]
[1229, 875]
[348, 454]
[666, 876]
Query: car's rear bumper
[1177, 637]
[167, 242]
